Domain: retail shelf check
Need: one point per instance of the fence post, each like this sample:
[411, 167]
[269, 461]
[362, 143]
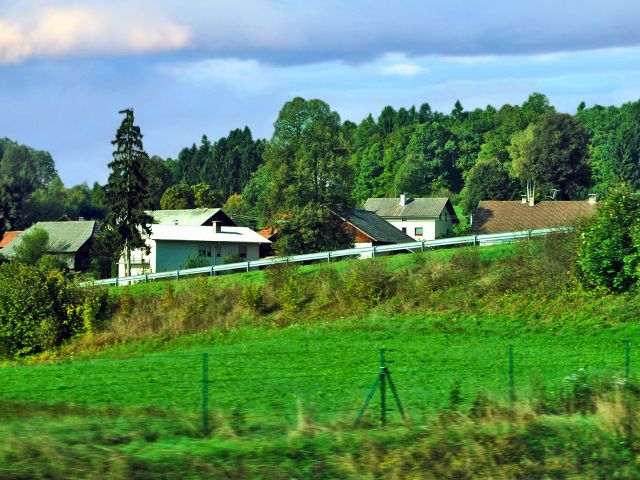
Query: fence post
[374, 251]
[212, 271]
[328, 257]
[422, 246]
[475, 240]
[248, 263]
[512, 390]
[177, 274]
[627, 358]
[383, 389]
[205, 393]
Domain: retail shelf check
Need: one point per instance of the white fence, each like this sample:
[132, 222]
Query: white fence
[489, 239]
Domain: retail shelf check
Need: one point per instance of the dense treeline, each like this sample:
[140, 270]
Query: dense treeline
[469, 155]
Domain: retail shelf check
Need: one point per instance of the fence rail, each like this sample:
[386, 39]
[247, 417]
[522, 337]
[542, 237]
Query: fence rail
[487, 239]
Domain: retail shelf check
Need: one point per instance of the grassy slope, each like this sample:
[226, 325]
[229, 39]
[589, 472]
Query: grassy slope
[142, 401]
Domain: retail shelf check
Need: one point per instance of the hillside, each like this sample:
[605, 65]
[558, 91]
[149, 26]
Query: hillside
[293, 352]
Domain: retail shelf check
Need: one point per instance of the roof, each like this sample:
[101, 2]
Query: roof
[268, 232]
[64, 237]
[495, 216]
[194, 217]
[413, 207]
[8, 236]
[205, 234]
[376, 227]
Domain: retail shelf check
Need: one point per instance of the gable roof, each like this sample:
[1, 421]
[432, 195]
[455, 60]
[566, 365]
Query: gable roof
[375, 227]
[194, 217]
[64, 237]
[495, 216]
[182, 233]
[8, 236]
[413, 207]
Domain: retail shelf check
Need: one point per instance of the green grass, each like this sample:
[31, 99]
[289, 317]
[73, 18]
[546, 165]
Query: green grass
[326, 368]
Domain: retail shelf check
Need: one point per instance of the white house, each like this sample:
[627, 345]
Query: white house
[172, 246]
[420, 218]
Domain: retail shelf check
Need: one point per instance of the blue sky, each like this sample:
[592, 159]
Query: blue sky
[196, 67]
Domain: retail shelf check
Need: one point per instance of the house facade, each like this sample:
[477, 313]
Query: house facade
[419, 218]
[174, 247]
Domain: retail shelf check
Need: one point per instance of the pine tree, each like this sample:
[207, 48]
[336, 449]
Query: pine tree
[627, 154]
[127, 190]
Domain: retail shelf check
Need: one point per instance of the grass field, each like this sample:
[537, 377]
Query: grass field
[282, 397]
[326, 369]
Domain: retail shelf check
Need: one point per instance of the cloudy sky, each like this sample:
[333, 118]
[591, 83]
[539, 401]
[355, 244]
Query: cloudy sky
[189, 67]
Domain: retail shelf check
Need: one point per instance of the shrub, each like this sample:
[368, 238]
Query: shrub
[32, 246]
[367, 283]
[40, 310]
[252, 298]
[608, 252]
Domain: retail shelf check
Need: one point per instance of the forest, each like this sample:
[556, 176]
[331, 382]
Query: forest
[316, 158]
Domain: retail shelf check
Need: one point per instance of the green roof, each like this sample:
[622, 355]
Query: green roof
[375, 227]
[194, 217]
[64, 237]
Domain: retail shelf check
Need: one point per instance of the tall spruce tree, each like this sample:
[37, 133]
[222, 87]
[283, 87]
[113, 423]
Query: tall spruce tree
[127, 190]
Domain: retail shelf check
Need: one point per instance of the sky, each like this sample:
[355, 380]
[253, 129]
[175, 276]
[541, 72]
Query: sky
[194, 67]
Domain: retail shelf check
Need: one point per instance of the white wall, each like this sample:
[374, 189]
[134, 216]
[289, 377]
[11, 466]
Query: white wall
[172, 255]
[431, 228]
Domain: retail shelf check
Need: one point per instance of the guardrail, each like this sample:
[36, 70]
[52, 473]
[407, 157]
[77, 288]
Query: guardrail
[488, 239]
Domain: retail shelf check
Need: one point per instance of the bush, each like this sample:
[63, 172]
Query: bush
[32, 246]
[609, 247]
[367, 283]
[41, 309]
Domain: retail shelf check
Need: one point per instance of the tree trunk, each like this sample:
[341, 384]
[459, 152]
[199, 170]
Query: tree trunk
[127, 265]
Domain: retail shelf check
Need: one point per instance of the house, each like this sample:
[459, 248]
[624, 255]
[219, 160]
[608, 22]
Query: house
[194, 217]
[420, 218]
[8, 237]
[70, 241]
[495, 216]
[365, 228]
[172, 247]
[368, 230]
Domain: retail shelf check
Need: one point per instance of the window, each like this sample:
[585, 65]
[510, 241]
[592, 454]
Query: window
[242, 250]
[204, 250]
[419, 231]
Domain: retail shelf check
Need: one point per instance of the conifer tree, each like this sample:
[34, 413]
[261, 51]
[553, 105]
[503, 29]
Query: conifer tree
[127, 190]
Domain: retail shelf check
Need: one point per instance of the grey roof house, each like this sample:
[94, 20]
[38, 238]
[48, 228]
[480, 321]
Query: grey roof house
[420, 218]
[69, 241]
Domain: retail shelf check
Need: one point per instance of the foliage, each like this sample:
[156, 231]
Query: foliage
[42, 309]
[609, 250]
[626, 150]
[177, 197]
[309, 175]
[552, 155]
[127, 191]
[195, 261]
[312, 228]
[487, 180]
[32, 246]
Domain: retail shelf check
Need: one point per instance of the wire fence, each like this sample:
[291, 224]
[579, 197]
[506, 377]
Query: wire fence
[362, 252]
[349, 385]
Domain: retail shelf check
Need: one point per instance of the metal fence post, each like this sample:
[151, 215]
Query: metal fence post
[512, 390]
[177, 274]
[248, 264]
[328, 257]
[383, 389]
[627, 358]
[374, 251]
[205, 393]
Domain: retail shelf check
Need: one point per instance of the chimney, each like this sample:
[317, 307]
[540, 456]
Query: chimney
[524, 199]
[403, 200]
[532, 201]
[175, 222]
[593, 198]
[81, 219]
[217, 226]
